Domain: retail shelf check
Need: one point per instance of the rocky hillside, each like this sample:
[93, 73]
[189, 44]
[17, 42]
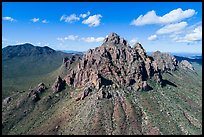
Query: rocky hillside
[113, 89]
[116, 64]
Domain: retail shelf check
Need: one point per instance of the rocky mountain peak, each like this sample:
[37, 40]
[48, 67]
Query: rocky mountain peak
[114, 66]
[114, 38]
[138, 47]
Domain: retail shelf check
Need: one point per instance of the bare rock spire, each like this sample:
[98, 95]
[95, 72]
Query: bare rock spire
[114, 38]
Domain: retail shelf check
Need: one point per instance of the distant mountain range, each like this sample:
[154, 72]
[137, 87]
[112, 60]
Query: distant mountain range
[71, 51]
[189, 55]
[197, 59]
[25, 50]
[184, 55]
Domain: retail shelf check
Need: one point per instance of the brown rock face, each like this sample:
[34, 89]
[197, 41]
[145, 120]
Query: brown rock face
[164, 62]
[59, 85]
[186, 65]
[86, 92]
[114, 62]
[35, 93]
[68, 61]
[113, 38]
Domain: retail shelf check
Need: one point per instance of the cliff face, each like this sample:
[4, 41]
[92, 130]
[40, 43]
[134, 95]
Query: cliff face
[114, 63]
[164, 62]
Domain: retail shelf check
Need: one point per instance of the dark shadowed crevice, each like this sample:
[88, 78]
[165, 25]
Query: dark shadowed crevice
[105, 81]
[167, 82]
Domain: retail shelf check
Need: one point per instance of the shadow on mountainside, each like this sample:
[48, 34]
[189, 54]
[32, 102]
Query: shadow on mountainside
[166, 82]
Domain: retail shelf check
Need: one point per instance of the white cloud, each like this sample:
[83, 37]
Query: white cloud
[93, 21]
[177, 15]
[70, 19]
[171, 17]
[77, 38]
[45, 21]
[93, 39]
[69, 37]
[8, 19]
[84, 15]
[149, 18]
[194, 35]
[63, 17]
[172, 28]
[34, 20]
[152, 37]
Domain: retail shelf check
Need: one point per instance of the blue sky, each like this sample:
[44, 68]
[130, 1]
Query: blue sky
[164, 26]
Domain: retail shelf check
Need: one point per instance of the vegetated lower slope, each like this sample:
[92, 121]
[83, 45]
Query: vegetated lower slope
[175, 107]
[23, 66]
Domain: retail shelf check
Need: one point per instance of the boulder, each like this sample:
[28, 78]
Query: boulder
[86, 92]
[41, 88]
[58, 85]
[145, 86]
[7, 100]
[106, 94]
[35, 97]
[35, 93]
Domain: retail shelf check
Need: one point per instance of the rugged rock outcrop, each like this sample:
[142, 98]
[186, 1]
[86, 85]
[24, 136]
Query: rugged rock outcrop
[86, 92]
[7, 100]
[186, 65]
[41, 88]
[104, 93]
[164, 62]
[114, 62]
[34, 94]
[69, 61]
[58, 85]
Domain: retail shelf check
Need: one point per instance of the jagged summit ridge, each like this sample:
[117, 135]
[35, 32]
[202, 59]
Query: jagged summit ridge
[118, 66]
